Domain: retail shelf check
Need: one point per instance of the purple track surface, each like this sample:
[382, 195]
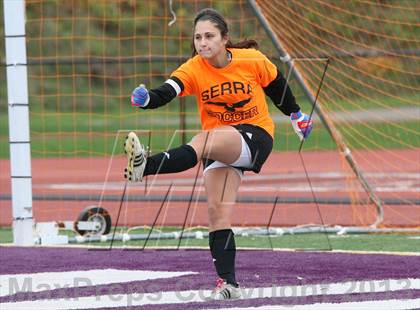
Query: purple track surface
[254, 269]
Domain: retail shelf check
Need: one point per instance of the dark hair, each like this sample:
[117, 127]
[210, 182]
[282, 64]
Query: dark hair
[219, 21]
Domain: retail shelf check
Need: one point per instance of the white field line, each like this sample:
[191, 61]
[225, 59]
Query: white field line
[179, 297]
[11, 284]
[396, 186]
[291, 188]
[326, 181]
[271, 177]
[392, 304]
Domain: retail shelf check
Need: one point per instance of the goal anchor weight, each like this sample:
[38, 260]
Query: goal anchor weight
[93, 221]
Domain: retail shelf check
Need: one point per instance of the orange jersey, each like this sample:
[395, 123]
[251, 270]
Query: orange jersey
[233, 94]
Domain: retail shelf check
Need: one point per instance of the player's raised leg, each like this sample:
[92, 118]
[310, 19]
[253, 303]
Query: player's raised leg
[223, 144]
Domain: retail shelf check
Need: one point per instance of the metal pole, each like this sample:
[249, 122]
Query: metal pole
[18, 112]
[329, 125]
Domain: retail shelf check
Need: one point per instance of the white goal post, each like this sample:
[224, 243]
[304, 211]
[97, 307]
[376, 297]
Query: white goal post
[18, 113]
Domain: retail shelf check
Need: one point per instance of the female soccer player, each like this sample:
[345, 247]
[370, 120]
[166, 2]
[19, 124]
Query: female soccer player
[230, 82]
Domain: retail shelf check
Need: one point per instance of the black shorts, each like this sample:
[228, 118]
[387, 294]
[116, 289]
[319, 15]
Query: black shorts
[260, 144]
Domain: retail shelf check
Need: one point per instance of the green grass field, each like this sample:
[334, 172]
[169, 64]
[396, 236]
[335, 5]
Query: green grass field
[312, 241]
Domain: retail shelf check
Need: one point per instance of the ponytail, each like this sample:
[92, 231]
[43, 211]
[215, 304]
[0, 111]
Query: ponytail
[243, 44]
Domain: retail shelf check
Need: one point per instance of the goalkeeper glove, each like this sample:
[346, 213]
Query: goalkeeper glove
[140, 97]
[301, 124]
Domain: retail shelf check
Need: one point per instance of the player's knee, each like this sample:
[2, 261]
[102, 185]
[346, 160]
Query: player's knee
[214, 210]
[212, 206]
[198, 143]
[205, 144]
[219, 211]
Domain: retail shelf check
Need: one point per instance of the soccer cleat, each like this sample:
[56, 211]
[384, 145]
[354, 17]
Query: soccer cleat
[225, 290]
[136, 158]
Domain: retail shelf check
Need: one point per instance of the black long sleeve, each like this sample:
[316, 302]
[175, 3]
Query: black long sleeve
[163, 94]
[277, 90]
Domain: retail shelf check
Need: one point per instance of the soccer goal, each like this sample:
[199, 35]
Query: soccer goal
[70, 67]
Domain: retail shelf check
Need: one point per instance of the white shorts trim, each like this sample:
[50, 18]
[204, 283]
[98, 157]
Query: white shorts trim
[244, 160]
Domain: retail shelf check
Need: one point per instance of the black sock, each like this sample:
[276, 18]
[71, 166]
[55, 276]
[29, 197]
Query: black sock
[223, 250]
[174, 160]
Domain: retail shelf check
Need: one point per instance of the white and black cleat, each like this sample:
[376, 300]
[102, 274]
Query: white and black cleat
[136, 158]
[224, 291]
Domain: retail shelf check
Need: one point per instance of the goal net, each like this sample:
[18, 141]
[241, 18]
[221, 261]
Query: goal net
[370, 94]
[85, 57]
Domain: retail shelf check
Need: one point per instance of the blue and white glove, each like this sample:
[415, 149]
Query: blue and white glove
[140, 96]
[301, 124]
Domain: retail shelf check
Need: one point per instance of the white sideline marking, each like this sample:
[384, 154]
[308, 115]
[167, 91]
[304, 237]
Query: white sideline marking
[179, 297]
[390, 182]
[320, 186]
[11, 284]
[392, 304]
[297, 187]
